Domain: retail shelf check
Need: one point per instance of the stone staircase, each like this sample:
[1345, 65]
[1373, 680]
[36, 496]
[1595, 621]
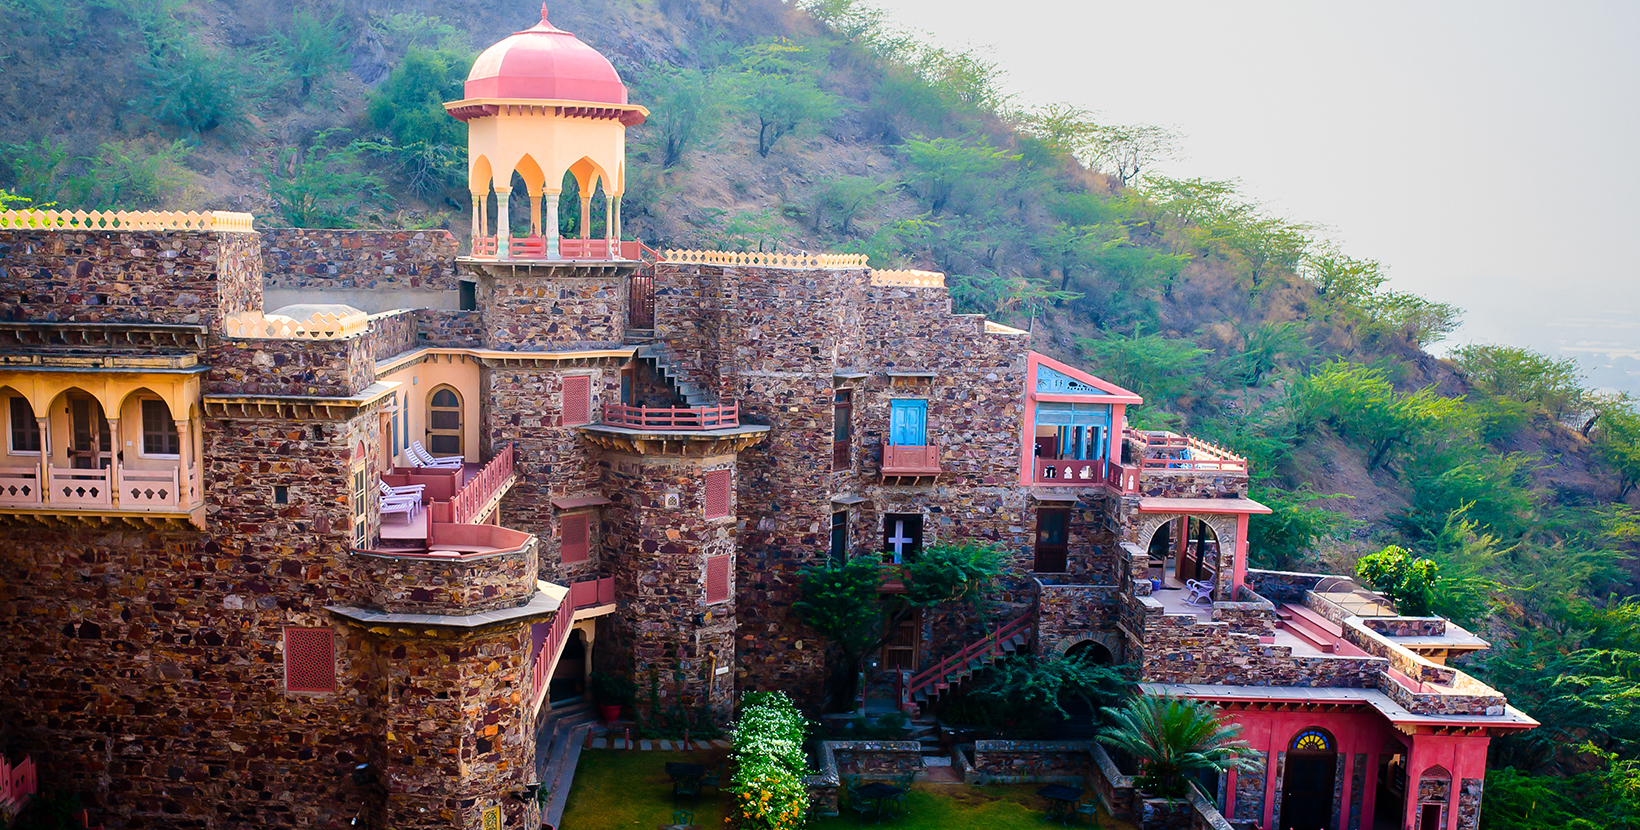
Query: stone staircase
[686, 389]
[558, 742]
[929, 684]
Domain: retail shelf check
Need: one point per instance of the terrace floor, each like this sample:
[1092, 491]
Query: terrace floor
[1172, 597]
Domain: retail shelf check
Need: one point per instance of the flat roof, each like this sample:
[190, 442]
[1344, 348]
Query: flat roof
[1511, 718]
[1161, 505]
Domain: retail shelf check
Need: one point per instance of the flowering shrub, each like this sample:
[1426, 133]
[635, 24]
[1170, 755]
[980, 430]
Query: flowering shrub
[768, 782]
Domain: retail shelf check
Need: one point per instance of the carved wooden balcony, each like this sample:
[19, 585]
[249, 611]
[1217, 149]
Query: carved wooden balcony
[910, 465]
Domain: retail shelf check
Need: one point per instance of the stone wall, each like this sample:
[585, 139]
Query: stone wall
[674, 640]
[1025, 762]
[322, 258]
[313, 368]
[1067, 614]
[1407, 626]
[130, 276]
[437, 327]
[1115, 789]
[1282, 586]
[551, 308]
[392, 333]
[1179, 648]
[447, 585]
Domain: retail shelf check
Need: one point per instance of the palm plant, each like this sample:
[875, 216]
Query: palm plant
[1171, 738]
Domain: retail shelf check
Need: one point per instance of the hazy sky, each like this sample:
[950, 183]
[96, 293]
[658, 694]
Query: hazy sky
[1486, 152]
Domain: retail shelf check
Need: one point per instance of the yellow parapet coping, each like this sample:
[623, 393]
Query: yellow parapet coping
[914, 279]
[765, 259]
[322, 325]
[128, 220]
[998, 328]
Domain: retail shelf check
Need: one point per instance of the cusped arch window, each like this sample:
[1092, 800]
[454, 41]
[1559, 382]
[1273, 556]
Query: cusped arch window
[444, 421]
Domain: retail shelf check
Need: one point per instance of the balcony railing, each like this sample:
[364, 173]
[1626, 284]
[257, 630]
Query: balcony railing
[1069, 471]
[469, 502]
[668, 418]
[534, 248]
[1171, 451]
[588, 594]
[157, 490]
[909, 462]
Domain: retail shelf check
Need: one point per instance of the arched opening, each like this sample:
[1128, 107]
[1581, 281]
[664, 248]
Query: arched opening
[1307, 782]
[1091, 651]
[87, 444]
[1434, 797]
[1184, 550]
[22, 428]
[146, 421]
[444, 421]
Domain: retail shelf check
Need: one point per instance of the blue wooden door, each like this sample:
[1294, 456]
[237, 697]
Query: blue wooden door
[908, 423]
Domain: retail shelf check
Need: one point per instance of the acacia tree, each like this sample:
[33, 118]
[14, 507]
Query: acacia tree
[840, 601]
[942, 165]
[686, 110]
[1616, 437]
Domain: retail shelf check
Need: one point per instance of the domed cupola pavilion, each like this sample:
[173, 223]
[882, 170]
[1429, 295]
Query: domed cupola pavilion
[542, 103]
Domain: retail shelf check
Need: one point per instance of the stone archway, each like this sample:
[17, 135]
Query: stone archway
[1224, 527]
[1110, 643]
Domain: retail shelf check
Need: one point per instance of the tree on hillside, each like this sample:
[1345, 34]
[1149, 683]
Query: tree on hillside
[1555, 386]
[782, 105]
[1293, 526]
[1267, 244]
[845, 197]
[1128, 151]
[1340, 280]
[1362, 405]
[942, 166]
[1422, 322]
[685, 109]
[428, 144]
[1159, 368]
[1616, 437]
[323, 186]
[311, 49]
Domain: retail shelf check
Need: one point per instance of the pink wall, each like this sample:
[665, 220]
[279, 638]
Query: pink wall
[1462, 755]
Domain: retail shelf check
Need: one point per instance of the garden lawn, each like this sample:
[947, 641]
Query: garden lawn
[627, 789]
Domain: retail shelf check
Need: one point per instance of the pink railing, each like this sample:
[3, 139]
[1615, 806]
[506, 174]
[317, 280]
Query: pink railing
[1066, 471]
[1171, 451]
[683, 417]
[591, 593]
[469, 501]
[535, 248]
[898, 460]
[1123, 477]
[990, 647]
[16, 784]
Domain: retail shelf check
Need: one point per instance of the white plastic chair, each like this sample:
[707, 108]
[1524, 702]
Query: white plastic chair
[1201, 593]
[409, 505]
[423, 458]
[402, 490]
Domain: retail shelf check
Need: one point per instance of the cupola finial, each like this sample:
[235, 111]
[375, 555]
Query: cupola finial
[544, 14]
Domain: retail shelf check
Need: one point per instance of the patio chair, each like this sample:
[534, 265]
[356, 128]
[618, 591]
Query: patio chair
[685, 788]
[712, 778]
[423, 458]
[405, 490]
[856, 802]
[1201, 593]
[1089, 809]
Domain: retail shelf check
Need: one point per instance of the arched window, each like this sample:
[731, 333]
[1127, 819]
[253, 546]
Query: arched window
[25, 431]
[1312, 740]
[444, 422]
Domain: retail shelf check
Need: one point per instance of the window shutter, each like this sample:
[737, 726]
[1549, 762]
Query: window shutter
[310, 660]
[717, 578]
[717, 494]
[577, 400]
[573, 539]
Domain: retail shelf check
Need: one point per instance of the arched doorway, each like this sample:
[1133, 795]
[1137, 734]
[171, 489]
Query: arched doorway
[569, 677]
[444, 422]
[1184, 549]
[1307, 782]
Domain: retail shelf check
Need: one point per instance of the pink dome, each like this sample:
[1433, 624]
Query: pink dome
[547, 63]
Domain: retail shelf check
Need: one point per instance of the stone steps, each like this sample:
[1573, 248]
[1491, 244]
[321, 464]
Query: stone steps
[692, 393]
[557, 750]
[1310, 627]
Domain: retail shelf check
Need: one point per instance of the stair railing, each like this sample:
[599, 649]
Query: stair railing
[989, 647]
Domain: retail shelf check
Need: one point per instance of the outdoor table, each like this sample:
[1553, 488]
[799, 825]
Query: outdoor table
[1061, 801]
[685, 774]
[877, 791]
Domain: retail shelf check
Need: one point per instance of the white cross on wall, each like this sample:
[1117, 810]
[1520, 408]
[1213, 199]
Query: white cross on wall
[899, 540]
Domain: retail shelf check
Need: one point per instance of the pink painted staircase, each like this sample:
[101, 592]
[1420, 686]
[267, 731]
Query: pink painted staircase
[925, 687]
[1326, 635]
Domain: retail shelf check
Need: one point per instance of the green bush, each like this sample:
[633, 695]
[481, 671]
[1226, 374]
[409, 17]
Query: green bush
[1407, 580]
[428, 145]
[767, 786]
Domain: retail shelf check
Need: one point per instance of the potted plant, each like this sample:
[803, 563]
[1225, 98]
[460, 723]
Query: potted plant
[1170, 738]
[610, 692]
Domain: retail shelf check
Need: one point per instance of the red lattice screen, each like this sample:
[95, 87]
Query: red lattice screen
[717, 494]
[573, 542]
[310, 660]
[717, 578]
[577, 400]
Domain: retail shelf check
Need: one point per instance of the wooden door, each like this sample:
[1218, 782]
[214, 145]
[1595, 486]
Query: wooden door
[89, 448]
[444, 422]
[904, 644]
[1053, 530]
[908, 423]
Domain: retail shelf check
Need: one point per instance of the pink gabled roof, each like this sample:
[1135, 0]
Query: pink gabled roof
[1116, 394]
[546, 63]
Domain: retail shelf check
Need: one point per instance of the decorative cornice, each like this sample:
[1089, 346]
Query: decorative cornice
[295, 407]
[679, 443]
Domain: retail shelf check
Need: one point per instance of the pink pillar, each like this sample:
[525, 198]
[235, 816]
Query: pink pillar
[1238, 573]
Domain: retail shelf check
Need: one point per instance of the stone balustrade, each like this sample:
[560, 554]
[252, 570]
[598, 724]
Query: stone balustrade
[469, 569]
